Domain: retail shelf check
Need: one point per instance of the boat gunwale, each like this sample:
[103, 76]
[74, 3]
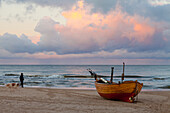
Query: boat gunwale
[114, 83]
[135, 89]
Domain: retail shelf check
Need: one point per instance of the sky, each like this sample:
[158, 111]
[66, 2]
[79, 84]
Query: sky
[85, 32]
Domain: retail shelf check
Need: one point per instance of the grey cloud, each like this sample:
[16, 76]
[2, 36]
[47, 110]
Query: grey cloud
[132, 7]
[46, 26]
[15, 44]
[65, 4]
[101, 5]
[157, 43]
[52, 40]
[19, 18]
[159, 13]
[30, 9]
[49, 39]
[143, 8]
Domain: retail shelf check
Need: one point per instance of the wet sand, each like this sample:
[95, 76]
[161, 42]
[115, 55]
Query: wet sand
[48, 100]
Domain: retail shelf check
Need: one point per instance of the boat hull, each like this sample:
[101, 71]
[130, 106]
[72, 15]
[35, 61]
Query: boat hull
[126, 97]
[125, 91]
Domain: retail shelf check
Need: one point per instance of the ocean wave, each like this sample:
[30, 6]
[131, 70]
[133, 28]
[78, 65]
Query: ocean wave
[2, 83]
[37, 75]
[77, 76]
[165, 87]
[56, 76]
[34, 82]
[133, 76]
[11, 74]
[159, 78]
[80, 76]
[146, 86]
[28, 75]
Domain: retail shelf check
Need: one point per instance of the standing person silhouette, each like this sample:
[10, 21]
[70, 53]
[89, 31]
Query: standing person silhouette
[22, 80]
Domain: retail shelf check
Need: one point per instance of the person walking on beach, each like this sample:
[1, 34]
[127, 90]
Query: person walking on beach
[22, 80]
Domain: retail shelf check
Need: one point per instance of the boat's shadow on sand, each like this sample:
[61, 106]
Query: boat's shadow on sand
[135, 102]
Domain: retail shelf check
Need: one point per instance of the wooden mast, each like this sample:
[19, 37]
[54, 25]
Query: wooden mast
[112, 69]
[123, 71]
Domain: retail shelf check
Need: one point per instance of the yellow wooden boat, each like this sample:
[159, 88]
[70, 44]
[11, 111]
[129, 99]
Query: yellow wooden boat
[125, 91]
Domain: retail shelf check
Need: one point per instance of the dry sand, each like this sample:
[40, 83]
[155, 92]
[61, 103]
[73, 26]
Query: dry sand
[45, 100]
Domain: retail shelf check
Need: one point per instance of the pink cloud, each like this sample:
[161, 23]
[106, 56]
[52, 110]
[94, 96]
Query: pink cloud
[87, 32]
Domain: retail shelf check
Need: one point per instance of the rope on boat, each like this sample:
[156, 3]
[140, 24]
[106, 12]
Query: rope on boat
[137, 93]
[137, 98]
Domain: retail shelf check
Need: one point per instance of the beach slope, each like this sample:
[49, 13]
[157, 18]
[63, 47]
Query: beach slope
[46, 100]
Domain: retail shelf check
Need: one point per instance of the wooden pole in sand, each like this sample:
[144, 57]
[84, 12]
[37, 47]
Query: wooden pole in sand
[123, 71]
[112, 69]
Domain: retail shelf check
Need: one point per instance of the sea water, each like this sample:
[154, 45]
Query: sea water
[152, 76]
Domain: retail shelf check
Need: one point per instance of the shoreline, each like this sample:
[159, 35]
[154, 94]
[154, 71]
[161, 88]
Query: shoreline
[82, 88]
[33, 99]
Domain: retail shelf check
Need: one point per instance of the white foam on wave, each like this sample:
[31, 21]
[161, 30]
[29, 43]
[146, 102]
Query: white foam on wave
[56, 76]
[78, 88]
[155, 89]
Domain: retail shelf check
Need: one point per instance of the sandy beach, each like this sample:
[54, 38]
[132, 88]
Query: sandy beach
[48, 100]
